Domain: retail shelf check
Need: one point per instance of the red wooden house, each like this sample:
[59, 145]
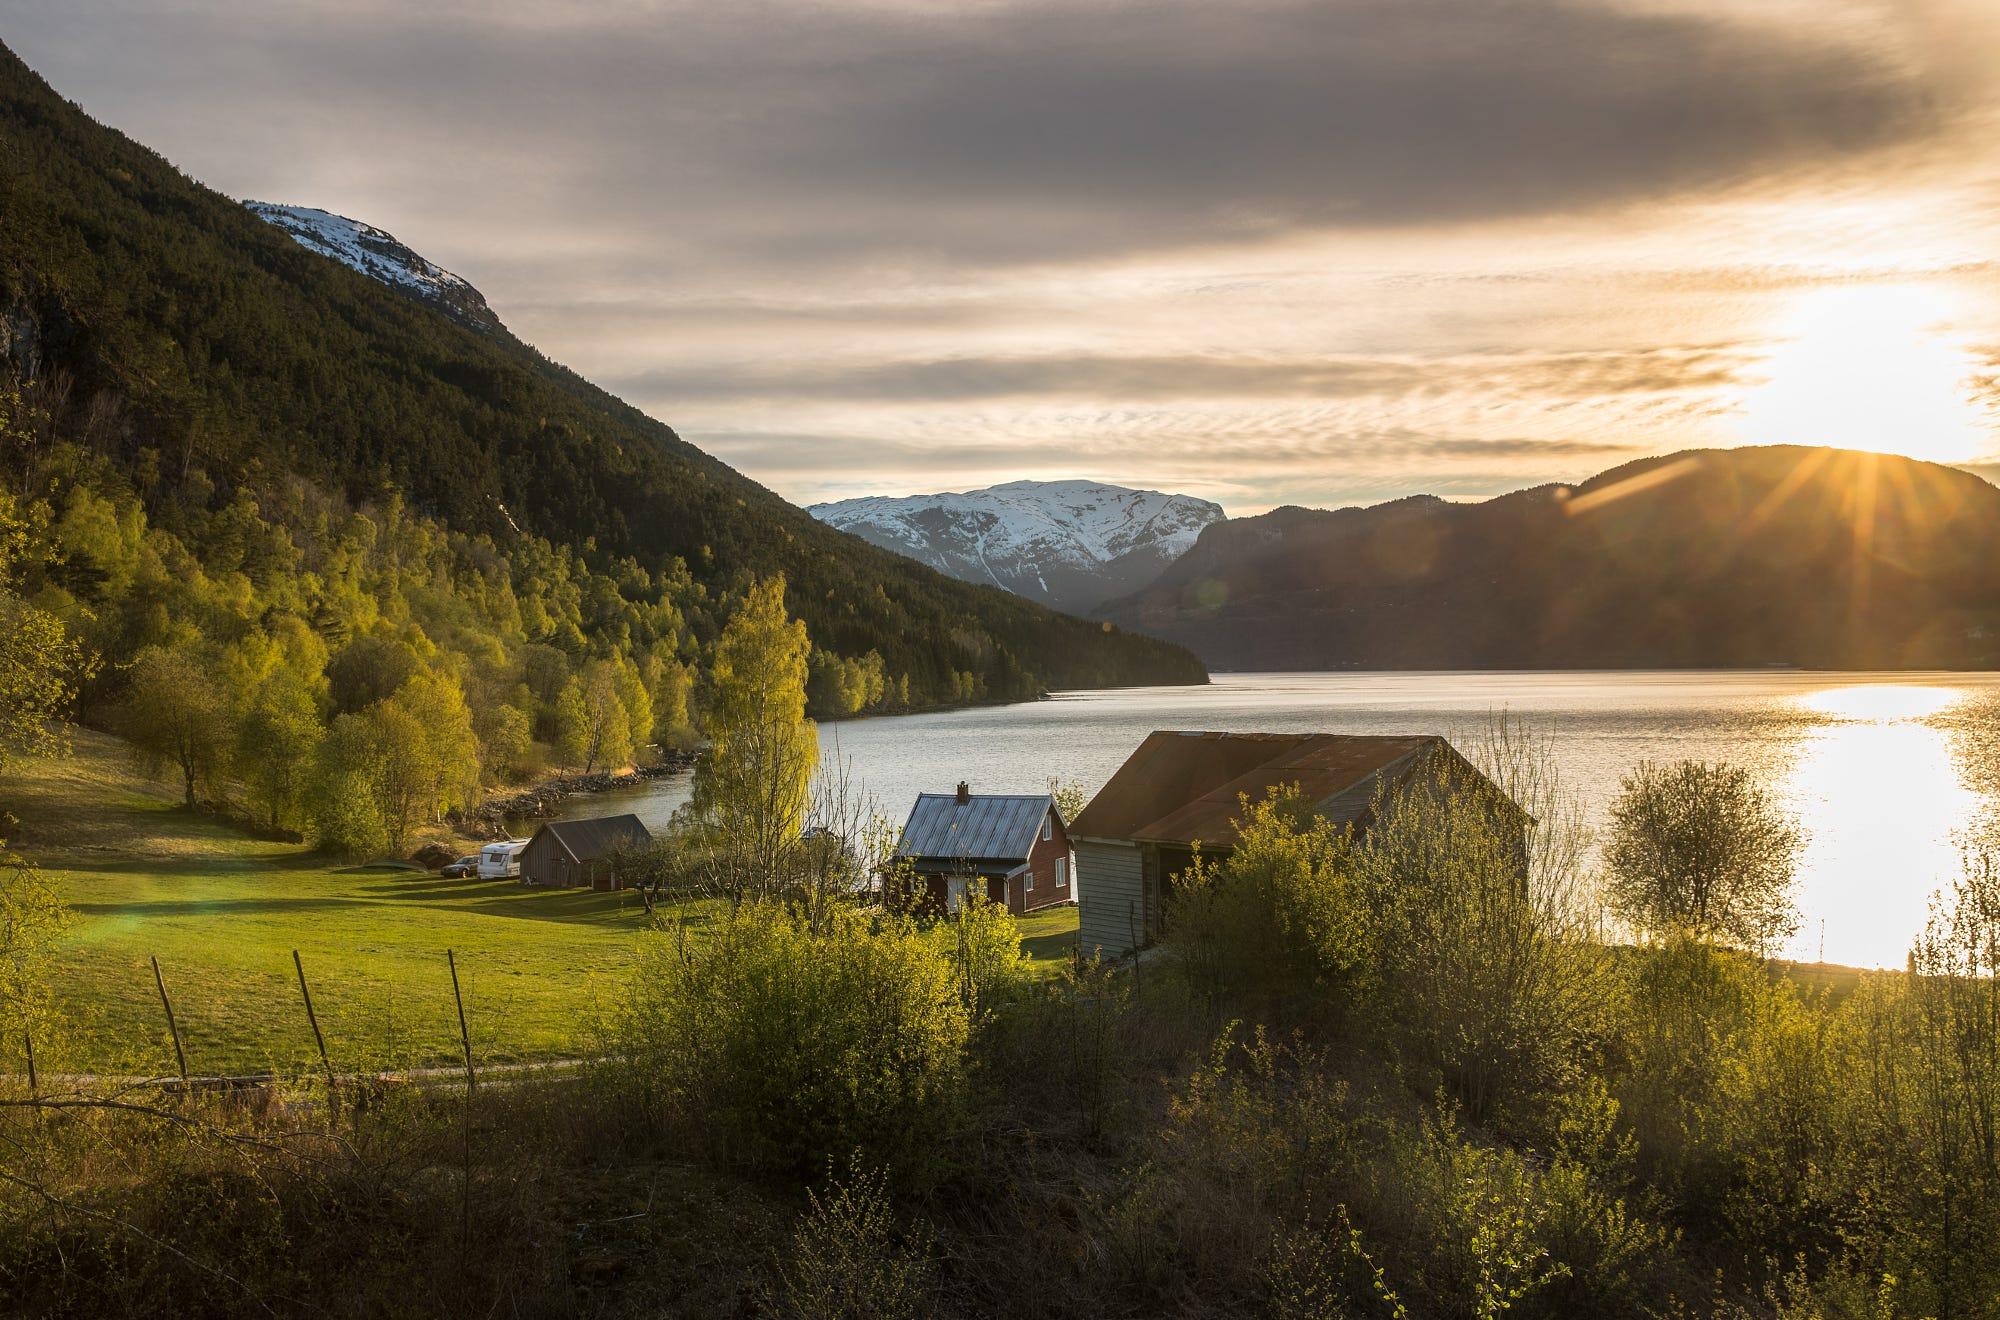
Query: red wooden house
[1014, 848]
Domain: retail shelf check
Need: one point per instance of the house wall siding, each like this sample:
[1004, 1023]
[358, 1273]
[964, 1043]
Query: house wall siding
[1038, 886]
[1111, 899]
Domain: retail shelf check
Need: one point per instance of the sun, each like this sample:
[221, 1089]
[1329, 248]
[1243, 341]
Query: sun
[1869, 366]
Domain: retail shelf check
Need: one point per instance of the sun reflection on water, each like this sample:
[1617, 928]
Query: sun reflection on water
[1877, 783]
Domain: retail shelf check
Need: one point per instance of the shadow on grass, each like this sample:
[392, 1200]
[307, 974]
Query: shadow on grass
[1050, 947]
[197, 907]
[505, 898]
[207, 864]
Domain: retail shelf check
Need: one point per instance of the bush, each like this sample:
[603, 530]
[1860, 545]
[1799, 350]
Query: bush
[797, 1047]
[1277, 922]
[847, 1260]
[1488, 976]
[984, 942]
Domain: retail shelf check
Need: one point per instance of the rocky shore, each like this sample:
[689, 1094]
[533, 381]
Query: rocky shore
[489, 819]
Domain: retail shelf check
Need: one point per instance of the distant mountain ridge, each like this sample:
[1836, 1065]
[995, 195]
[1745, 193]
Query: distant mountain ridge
[1067, 544]
[377, 254]
[1779, 555]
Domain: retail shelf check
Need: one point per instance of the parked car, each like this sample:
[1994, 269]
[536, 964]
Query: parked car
[460, 869]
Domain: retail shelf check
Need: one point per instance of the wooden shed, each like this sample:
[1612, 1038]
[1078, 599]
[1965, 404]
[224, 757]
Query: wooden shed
[572, 854]
[1179, 789]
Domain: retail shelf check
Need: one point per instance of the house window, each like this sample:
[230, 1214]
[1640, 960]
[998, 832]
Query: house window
[1062, 873]
[1048, 827]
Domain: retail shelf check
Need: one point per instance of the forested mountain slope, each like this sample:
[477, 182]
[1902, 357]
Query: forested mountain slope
[199, 353]
[1776, 555]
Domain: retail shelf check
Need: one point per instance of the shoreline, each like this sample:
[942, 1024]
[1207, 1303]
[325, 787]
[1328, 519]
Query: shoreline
[488, 820]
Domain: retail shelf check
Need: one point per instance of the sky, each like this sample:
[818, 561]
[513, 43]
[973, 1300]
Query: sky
[1261, 251]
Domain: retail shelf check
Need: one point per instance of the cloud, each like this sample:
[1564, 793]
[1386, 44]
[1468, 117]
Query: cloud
[1269, 251]
[1191, 376]
[1052, 129]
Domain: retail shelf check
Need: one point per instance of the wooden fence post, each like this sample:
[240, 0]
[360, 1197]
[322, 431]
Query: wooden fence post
[173, 1028]
[34, 1086]
[464, 1037]
[312, 1019]
[465, 1181]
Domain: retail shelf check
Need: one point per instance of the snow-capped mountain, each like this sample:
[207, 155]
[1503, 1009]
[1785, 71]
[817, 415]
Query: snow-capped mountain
[1069, 544]
[379, 256]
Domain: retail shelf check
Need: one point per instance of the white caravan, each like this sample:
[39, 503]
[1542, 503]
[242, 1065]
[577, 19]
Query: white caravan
[501, 861]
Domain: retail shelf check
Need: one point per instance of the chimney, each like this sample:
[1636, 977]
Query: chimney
[964, 793]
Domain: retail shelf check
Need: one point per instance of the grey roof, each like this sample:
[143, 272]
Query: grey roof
[586, 840]
[991, 827]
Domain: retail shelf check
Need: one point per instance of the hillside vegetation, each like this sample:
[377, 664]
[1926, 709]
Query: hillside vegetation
[1385, 1077]
[1716, 558]
[170, 354]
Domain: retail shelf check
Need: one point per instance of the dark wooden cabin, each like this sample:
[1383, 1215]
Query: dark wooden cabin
[573, 854]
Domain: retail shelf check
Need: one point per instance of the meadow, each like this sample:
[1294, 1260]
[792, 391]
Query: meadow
[223, 910]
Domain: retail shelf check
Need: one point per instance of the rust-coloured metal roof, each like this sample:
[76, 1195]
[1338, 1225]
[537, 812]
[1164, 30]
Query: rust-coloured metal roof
[1186, 787]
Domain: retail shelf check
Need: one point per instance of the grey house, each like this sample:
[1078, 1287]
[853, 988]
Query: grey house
[1182, 789]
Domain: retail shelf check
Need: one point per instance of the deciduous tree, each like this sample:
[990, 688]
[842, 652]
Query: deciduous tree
[1702, 849]
[175, 715]
[750, 792]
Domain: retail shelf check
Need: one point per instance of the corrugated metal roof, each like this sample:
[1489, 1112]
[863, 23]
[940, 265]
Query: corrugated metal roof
[587, 840]
[990, 827]
[1186, 787]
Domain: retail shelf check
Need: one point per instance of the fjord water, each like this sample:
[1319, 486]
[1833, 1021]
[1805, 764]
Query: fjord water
[1892, 775]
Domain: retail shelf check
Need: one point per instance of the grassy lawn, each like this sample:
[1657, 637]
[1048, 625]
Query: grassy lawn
[1049, 937]
[223, 911]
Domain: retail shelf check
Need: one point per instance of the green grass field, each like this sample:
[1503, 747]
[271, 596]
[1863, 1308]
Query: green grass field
[223, 911]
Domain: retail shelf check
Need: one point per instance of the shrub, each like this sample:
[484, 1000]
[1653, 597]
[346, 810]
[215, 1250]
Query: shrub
[984, 942]
[798, 1046]
[847, 1259]
[1488, 976]
[1278, 921]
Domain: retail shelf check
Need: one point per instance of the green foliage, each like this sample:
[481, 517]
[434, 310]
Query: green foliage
[986, 951]
[42, 663]
[277, 739]
[750, 792]
[1701, 848]
[1070, 799]
[797, 1046]
[838, 687]
[602, 717]
[175, 717]
[1487, 977]
[849, 1260]
[32, 916]
[401, 762]
[1280, 917]
[1324, 1272]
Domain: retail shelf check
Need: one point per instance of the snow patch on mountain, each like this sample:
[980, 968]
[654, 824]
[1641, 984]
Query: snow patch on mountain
[1069, 544]
[377, 254]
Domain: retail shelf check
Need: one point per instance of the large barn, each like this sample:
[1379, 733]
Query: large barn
[1179, 789]
[1014, 848]
[581, 853]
